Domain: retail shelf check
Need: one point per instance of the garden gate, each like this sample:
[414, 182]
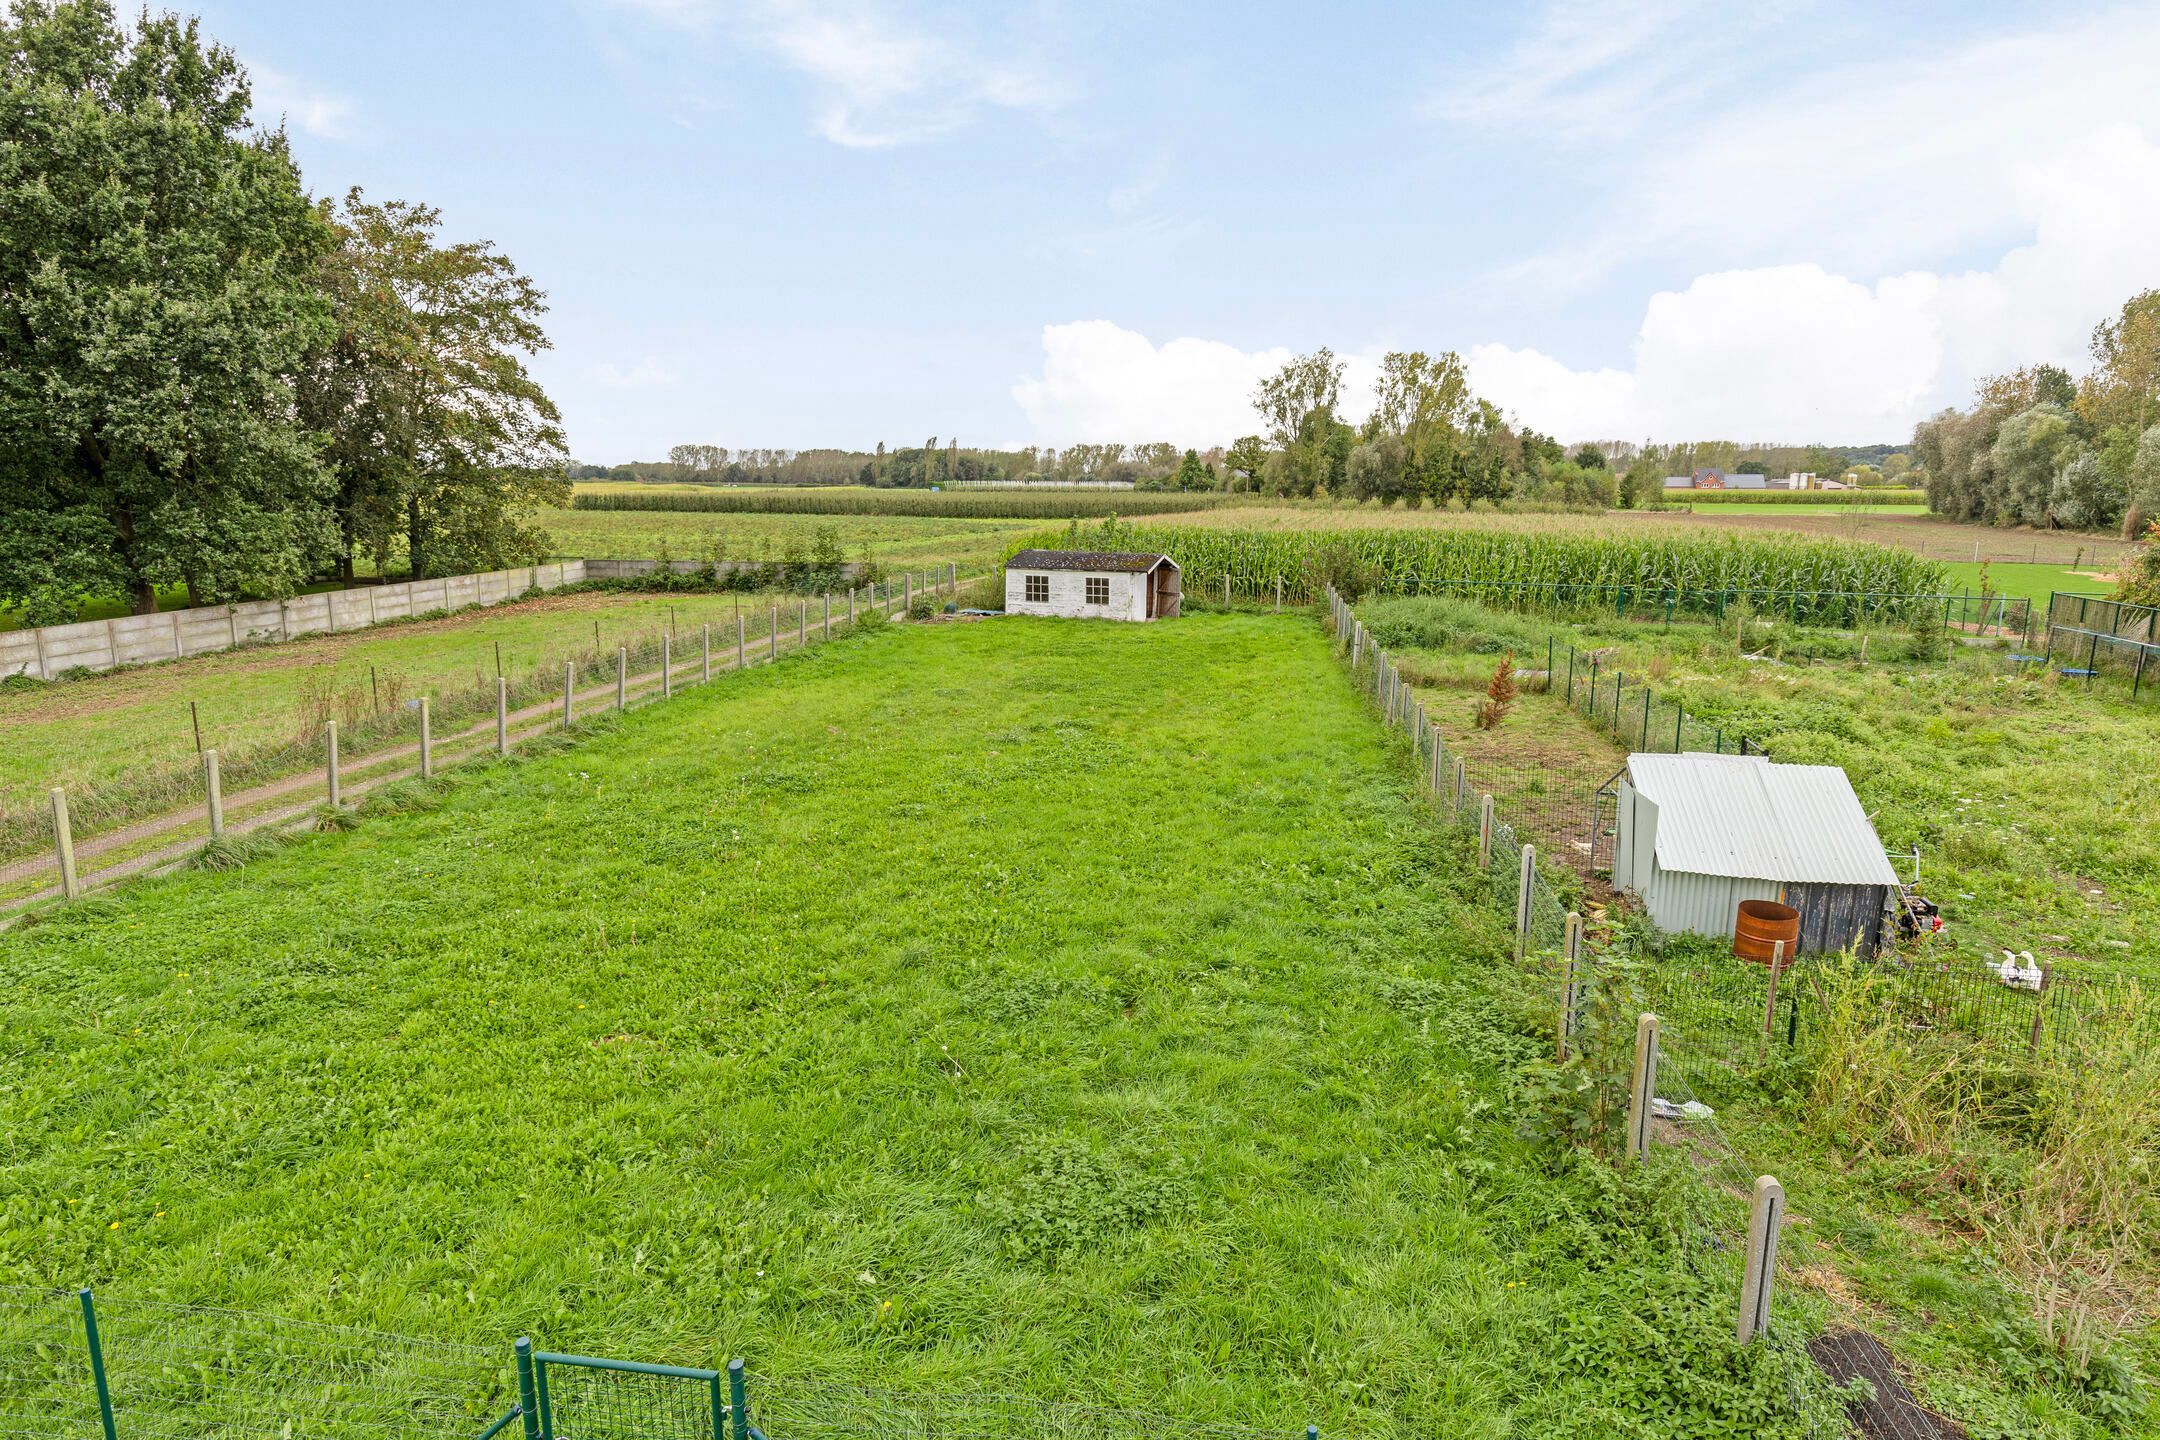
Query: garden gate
[582, 1397]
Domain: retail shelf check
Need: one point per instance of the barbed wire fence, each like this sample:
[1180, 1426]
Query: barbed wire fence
[67, 841]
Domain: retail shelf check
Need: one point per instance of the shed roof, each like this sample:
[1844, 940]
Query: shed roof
[1746, 817]
[1126, 560]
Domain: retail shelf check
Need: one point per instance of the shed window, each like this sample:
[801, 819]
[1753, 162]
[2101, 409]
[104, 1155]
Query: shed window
[1098, 591]
[1038, 589]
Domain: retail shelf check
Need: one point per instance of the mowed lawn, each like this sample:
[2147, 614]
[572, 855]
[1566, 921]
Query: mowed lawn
[1076, 1009]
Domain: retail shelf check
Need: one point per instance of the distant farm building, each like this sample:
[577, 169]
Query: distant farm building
[1706, 478]
[1092, 585]
[1697, 834]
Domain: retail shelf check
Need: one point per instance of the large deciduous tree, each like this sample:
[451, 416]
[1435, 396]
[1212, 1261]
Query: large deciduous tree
[440, 437]
[157, 292]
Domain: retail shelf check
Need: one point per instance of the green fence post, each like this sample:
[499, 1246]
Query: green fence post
[738, 1401]
[1646, 717]
[1679, 718]
[97, 1364]
[528, 1396]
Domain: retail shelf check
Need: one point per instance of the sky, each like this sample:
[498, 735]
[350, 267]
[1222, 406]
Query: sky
[839, 222]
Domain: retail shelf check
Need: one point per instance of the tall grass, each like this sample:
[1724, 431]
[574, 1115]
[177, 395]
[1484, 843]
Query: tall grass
[972, 504]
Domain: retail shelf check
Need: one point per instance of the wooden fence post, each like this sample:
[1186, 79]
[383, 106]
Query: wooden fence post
[502, 715]
[772, 638]
[1777, 963]
[828, 616]
[64, 843]
[1766, 1216]
[330, 750]
[742, 652]
[1484, 833]
[667, 664]
[1570, 954]
[427, 742]
[1644, 1088]
[569, 689]
[622, 677]
[2032, 1043]
[213, 793]
[802, 622]
[851, 604]
[704, 653]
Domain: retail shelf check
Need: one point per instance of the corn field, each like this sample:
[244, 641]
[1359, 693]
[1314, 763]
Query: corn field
[1833, 582]
[941, 504]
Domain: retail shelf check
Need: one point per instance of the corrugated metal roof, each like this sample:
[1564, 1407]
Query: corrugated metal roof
[1743, 816]
[1125, 560]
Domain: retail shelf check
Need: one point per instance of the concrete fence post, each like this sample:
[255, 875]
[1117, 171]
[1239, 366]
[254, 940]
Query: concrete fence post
[427, 741]
[213, 793]
[827, 624]
[704, 654]
[1525, 895]
[1226, 589]
[667, 664]
[802, 623]
[569, 691]
[1278, 594]
[907, 592]
[1484, 833]
[622, 677]
[742, 652]
[502, 715]
[772, 634]
[1570, 955]
[330, 752]
[1433, 735]
[1462, 787]
[851, 604]
[1766, 1217]
[64, 843]
[1644, 1087]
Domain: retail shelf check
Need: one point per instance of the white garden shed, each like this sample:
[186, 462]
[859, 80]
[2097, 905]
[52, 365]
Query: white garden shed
[1092, 584]
[1697, 834]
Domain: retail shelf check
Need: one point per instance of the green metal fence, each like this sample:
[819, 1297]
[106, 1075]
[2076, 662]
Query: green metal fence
[2090, 637]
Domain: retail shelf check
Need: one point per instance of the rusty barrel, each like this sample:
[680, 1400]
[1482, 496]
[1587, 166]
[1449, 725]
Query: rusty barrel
[1760, 925]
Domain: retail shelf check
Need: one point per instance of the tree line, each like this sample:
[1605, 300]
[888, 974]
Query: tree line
[1153, 466]
[216, 380]
[2039, 447]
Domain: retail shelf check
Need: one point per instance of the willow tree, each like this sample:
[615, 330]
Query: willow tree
[157, 269]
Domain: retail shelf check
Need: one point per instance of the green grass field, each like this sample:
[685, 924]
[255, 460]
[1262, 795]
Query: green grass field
[1085, 1011]
[97, 730]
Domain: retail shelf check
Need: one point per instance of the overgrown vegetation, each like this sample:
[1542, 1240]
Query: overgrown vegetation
[972, 504]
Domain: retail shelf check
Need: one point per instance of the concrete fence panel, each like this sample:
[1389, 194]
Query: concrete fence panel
[53, 650]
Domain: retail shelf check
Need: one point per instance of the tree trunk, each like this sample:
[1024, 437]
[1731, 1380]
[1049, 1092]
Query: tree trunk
[415, 538]
[145, 597]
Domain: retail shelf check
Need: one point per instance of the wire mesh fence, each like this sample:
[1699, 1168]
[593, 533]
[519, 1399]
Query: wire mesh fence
[153, 815]
[188, 1371]
[2091, 637]
[819, 1410]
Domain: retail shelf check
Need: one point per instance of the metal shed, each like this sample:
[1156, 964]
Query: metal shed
[1697, 834]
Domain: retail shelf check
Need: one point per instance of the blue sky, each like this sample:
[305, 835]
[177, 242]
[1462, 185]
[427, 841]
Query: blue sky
[843, 221]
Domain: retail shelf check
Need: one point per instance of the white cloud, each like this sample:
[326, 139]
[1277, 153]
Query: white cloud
[879, 80]
[279, 96]
[1797, 353]
[1916, 158]
[1101, 382]
[646, 374]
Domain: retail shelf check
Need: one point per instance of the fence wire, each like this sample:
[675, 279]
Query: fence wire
[585, 1403]
[156, 813]
[819, 1410]
[192, 1373]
